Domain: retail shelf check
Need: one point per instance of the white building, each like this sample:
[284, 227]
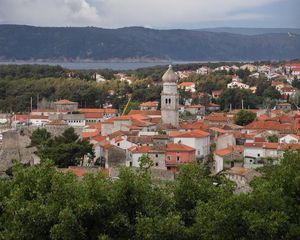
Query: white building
[290, 139]
[196, 139]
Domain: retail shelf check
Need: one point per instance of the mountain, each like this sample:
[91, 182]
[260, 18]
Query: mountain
[18, 42]
[252, 31]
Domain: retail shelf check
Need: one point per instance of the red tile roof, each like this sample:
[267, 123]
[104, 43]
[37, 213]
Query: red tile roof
[57, 122]
[97, 110]
[268, 125]
[186, 84]
[65, 102]
[190, 134]
[224, 152]
[145, 112]
[149, 104]
[141, 149]
[173, 147]
[194, 125]
[93, 115]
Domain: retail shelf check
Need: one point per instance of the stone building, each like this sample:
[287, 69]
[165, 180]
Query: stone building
[170, 98]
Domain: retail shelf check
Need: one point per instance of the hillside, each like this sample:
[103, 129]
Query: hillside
[135, 43]
[252, 31]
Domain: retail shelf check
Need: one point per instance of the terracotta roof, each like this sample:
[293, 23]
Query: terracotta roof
[216, 129]
[213, 105]
[268, 125]
[254, 145]
[85, 135]
[57, 122]
[38, 117]
[99, 138]
[173, 147]
[22, 117]
[49, 111]
[217, 117]
[194, 125]
[190, 134]
[149, 104]
[186, 84]
[93, 115]
[97, 110]
[224, 152]
[105, 144]
[145, 112]
[141, 149]
[64, 102]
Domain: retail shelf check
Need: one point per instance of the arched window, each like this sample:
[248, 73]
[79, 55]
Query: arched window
[166, 101]
[169, 100]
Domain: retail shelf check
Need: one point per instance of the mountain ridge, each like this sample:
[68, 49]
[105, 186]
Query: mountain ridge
[23, 42]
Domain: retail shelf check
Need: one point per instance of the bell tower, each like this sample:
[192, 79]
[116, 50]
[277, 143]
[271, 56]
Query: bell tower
[170, 98]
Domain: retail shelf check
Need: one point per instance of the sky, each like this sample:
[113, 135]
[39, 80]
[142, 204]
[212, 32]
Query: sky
[161, 14]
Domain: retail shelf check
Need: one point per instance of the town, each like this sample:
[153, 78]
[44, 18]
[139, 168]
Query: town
[182, 127]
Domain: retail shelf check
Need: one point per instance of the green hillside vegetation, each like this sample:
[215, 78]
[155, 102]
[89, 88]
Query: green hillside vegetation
[41, 203]
[18, 84]
[136, 43]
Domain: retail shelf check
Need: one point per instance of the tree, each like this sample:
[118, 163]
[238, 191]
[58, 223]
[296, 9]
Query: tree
[39, 137]
[65, 150]
[272, 138]
[145, 162]
[244, 117]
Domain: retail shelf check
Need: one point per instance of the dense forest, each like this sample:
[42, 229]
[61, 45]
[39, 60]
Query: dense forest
[20, 83]
[136, 43]
[41, 203]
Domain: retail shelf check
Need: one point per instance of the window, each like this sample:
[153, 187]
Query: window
[178, 158]
[169, 158]
[156, 155]
[169, 168]
[258, 155]
[156, 164]
[130, 164]
[166, 101]
[198, 152]
[118, 144]
[169, 100]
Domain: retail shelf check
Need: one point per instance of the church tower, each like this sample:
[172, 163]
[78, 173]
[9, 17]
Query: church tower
[170, 98]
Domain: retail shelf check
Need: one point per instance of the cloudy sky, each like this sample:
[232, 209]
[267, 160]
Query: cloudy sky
[152, 13]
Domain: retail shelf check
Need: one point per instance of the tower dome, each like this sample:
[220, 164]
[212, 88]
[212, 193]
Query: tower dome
[170, 75]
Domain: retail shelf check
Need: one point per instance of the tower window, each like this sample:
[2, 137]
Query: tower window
[166, 101]
[169, 100]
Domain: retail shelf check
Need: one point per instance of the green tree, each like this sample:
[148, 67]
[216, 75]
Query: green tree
[39, 137]
[244, 117]
[65, 150]
[145, 162]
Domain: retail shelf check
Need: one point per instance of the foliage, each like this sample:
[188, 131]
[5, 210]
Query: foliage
[90, 43]
[145, 162]
[41, 203]
[244, 117]
[235, 96]
[65, 150]
[273, 138]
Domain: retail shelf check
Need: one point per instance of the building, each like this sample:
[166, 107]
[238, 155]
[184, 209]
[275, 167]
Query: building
[178, 154]
[170, 98]
[66, 105]
[197, 139]
[187, 86]
[152, 106]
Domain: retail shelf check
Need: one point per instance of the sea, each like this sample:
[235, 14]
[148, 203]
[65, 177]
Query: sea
[101, 65]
